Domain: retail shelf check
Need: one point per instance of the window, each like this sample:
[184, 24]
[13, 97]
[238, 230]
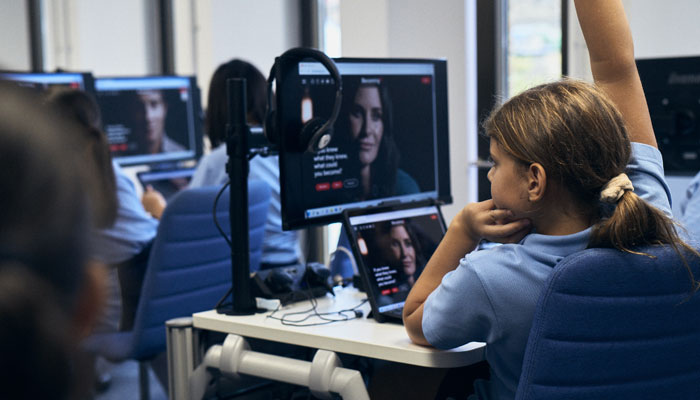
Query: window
[534, 51]
[329, 26]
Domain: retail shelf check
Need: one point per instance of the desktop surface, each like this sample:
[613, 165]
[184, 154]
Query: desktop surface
[362, 337]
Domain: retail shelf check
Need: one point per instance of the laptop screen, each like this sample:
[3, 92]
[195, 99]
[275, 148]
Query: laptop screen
[167, 182]
[392, 247]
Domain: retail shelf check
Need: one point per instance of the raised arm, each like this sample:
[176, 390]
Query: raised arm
[611, 49]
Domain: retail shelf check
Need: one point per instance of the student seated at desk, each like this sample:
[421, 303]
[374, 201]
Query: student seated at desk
[50, 293]
[280, 248]
[127, 240]
[124, 243]
[565, 178]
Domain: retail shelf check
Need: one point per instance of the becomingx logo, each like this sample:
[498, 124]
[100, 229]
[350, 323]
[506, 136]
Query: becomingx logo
[683, 79]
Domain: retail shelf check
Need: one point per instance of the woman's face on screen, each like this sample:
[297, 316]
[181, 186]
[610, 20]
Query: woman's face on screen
[366, 122]
[402, 250]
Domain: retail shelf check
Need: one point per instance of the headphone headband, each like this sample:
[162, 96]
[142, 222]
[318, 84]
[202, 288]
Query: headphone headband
[316, 133]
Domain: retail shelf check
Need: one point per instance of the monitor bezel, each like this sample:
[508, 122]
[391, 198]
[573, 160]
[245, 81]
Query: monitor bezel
[87, 77]
[364, 270]
[164, 162]
[444, 195]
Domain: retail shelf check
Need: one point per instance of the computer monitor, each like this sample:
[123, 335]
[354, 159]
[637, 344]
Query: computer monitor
[672, 90]
[41, 81]
[389, 145]
[151, 120]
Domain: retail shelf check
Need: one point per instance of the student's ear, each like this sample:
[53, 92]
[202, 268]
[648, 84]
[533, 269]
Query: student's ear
[91, 299]
[536, 182]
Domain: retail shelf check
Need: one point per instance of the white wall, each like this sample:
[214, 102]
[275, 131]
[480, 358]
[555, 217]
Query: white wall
[219, 30]
[664, 28]
[120, 37]
[438, 29]
[659, 29]
[364, 28]
[103, 36]
[14, 36]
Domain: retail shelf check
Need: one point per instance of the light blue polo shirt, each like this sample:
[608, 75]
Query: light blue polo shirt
[690, 210]
[279, 247]
[491, 296]
[133, 229]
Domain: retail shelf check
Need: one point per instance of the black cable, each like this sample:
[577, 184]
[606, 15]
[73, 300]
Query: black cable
[216, 221]
[220, 303]
[312, 312]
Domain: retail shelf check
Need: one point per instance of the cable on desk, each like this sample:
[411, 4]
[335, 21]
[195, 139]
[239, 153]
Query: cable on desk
[341, 315]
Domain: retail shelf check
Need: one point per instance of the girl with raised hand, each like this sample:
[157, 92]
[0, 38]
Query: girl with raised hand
[575, 166]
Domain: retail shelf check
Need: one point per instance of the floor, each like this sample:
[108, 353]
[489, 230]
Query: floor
[125, 383]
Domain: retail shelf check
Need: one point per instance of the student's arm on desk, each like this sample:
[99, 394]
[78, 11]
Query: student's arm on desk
[472, 223]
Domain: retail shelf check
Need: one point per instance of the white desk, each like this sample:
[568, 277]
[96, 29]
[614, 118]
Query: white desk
[362, 337]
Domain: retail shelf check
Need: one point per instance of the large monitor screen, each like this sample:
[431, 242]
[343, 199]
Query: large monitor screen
[390, 141]
[42, 81]
[672, 90]
[150, 120]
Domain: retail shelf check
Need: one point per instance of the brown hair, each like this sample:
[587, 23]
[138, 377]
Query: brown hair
[577, 134]
[256, 97]
[81, 107]
[45, 220]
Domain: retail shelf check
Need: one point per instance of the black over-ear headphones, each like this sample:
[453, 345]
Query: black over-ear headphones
[316, 133]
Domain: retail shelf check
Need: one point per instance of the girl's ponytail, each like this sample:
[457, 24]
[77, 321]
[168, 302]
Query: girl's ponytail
[634, 223]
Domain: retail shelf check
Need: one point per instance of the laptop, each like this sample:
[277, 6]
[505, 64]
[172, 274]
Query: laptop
[391, 245]
[167, 182]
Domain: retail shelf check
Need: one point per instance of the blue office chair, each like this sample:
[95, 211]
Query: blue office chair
[614, 325]
[189, 270]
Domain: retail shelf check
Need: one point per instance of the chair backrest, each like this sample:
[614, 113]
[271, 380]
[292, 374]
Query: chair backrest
[614, 325]
[189, 268]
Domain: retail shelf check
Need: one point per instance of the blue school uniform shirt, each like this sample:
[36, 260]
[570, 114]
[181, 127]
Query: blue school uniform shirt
[690, 210]
[279, 247]
[491, 296]
[133, 229]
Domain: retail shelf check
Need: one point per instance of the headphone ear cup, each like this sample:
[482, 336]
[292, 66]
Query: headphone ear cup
[312, 138]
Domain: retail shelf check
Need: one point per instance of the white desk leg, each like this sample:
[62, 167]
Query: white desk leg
[180, 345]
[323, 375]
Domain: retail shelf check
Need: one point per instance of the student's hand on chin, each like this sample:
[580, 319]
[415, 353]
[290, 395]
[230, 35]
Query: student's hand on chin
[484, 221]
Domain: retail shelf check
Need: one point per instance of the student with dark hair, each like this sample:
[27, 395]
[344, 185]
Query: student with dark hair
[50, 291]
[279, 247]
[132, 229]
[576, 166]
[82, 108]
[124, 243]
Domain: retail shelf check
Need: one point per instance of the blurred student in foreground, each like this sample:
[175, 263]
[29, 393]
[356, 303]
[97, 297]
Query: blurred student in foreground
[50, 293]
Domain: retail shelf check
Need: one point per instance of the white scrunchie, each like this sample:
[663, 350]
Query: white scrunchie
[615, 188]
